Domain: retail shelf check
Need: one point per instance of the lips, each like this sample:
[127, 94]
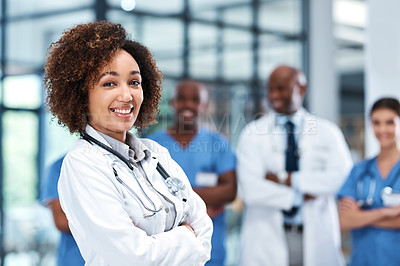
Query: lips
[122, 111]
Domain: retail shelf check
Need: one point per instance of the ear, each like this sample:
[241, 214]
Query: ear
[303, 89]
[204, 106]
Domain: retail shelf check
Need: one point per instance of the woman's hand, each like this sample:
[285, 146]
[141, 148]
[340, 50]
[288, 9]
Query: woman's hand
[393, 211]
[188, 227]
[214, 211]
[351, 216]
[347, 204]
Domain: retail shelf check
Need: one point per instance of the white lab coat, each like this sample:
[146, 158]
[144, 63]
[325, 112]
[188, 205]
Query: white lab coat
[108, 223]
[324, 164]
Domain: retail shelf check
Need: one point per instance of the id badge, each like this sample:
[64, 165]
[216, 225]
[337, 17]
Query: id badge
[206, 179]
[390, 197]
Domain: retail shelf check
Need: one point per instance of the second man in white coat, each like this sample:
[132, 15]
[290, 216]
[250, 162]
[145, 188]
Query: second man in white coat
[290, 165]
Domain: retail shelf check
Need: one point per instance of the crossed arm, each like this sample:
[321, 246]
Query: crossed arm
[351, 216]
[223, 193]
[288, 182]
[60, 220]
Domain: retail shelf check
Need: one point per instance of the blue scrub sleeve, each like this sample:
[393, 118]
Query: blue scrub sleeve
[225, 157]
[49, 186]
[349, 188]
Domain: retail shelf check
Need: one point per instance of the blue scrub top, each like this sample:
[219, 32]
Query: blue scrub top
[207, 152]
[68, 253]
[372, 245]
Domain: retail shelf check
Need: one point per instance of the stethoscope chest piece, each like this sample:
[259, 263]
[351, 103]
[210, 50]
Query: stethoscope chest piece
[174, 185]
[390, 197]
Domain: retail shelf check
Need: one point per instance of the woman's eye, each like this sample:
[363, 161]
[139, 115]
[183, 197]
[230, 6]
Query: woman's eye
[108, 84]
[135, 83]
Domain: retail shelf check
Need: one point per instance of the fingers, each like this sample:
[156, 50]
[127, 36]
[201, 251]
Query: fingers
[348, 204]
[214, 211]
[272, 177]
[308, 197]
[393, 211]
[188, 227]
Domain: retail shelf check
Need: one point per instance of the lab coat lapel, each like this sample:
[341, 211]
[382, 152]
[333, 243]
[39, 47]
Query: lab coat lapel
[275, 133]
[275, 151]
[159, 184]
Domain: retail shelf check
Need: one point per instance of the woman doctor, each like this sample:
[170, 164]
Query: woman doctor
[369, 205]
[120, 208]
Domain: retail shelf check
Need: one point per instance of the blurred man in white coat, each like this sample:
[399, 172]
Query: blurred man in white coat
[290, 166]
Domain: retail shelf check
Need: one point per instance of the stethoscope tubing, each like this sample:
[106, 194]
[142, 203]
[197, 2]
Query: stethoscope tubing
[173, 184]
[372, 187]
[90, 139]
[154, 210]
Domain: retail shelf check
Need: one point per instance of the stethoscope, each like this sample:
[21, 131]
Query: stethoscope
[174, 184]
[369, 200]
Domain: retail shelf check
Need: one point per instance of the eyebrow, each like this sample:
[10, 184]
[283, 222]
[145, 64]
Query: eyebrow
[113, 73]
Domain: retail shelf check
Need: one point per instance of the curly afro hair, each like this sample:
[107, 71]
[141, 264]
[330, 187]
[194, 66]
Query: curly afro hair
[74, 61]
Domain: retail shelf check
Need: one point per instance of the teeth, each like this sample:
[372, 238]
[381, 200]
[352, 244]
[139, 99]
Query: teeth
[122, 111]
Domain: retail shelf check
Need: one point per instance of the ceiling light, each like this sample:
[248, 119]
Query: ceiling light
[128, 5]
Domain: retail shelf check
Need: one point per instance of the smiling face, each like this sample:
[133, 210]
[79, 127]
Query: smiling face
[116, 97]
[386, 126]
[285, 94]
[189, 102]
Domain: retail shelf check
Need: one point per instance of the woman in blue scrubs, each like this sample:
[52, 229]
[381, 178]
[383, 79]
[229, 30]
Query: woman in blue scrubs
[369, 204]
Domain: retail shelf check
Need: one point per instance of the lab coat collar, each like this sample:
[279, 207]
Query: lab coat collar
[297, 118]
[134, 149]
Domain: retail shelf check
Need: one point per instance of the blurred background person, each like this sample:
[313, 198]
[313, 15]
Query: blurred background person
[68, 253]
[205, 156]
[370, 198]
[290, 166]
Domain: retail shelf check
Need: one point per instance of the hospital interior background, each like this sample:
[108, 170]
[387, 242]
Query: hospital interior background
[231, 45]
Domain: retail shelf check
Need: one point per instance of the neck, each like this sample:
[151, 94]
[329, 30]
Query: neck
[118, 135]
[184, 128]
[388, 153]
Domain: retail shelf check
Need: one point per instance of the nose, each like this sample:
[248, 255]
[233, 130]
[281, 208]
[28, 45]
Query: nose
[124, 94]
[273, 94]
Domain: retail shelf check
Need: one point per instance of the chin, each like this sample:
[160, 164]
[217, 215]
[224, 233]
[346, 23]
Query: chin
[123, 127]
[387, 144]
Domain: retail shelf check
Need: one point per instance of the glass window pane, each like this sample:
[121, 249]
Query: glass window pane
[20, 149]
[238, 64]
[203, 50]
[274, 52]
[350, 60]
[237, 54]
[283, 15]
[153, 6]
[164, 37]
[129, 21]
[28, 40]
[202, 36]
[19, 7]
[58, 140]
[203, 63]
[241, 15]
[23, 91]
[206, 14]
[27, 225]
